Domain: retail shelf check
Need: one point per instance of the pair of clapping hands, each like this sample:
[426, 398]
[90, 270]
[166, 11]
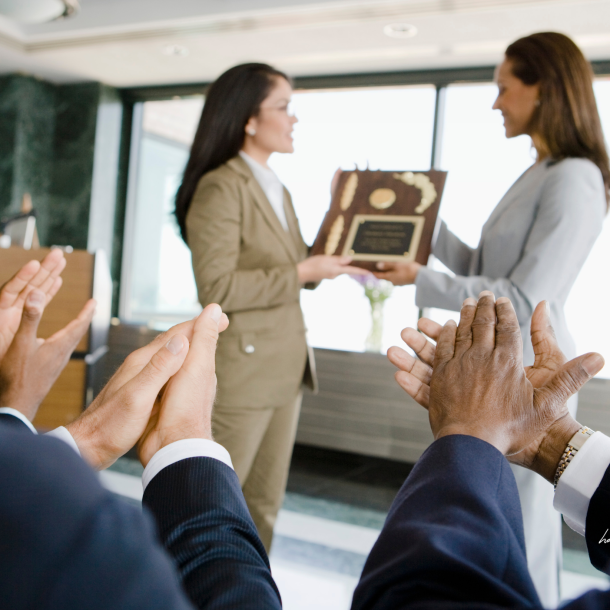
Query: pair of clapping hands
[473, 382]
[162, 393]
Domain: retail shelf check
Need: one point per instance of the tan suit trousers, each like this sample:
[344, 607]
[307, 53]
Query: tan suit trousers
[260, 443]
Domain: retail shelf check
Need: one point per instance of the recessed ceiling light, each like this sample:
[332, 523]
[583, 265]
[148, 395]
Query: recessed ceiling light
[175, 50]
[400, 30]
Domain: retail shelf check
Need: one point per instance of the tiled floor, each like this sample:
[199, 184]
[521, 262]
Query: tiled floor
[334, 509]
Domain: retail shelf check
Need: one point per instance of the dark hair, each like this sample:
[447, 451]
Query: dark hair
[567, 120]
[230, 102]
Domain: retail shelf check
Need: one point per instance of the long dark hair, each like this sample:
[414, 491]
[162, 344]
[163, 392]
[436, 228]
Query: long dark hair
[230, 102]
[567, 120]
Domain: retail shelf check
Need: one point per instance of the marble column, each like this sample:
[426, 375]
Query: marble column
[61, 143]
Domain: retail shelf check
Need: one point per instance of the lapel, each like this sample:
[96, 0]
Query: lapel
[513, 193]
[260, 199]
[293, 227]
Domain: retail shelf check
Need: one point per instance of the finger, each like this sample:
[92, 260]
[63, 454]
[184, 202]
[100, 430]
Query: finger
[484, 324]
[51, 266]
[418, 391]
[30, 319]
[445, 345]
[54, 289]
[547, 352]
[567, 381]
[164, 363]
[224, 323]
[355, 271]
[201, 358]
[463, 338]
[10, 291]
[430, 328]
[386, 266]
[405, 362]
[508, 332]
[344, 260]
[418, 343]
[49, 281]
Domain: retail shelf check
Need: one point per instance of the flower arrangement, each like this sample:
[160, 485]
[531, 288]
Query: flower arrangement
[377, 292]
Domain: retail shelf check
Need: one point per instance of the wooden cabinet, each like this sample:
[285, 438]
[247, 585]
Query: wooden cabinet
[86, 275]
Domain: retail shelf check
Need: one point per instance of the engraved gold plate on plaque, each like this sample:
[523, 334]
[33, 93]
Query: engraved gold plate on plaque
[384, 238]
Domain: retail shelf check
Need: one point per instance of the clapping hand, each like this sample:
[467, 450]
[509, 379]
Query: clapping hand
[44, 277]
[119, 415]
[473, 381]
[32, 365]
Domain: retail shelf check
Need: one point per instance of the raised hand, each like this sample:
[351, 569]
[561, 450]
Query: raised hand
[116, 419]
[43, 276]
[31, 365]
[550, 378]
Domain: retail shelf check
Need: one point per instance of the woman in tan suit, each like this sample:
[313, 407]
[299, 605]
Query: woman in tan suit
[249, 256]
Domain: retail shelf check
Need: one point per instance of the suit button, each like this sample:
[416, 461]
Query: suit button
[249, 349]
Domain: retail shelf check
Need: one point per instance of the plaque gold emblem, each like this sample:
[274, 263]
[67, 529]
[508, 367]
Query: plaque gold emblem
[382, 199]
[424, 184]
[334, 236]
[349, 190]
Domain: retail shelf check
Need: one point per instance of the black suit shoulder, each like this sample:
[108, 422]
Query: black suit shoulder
[67, 543]
[205, 524]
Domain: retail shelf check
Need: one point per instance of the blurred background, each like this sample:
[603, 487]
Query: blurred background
[99, 102]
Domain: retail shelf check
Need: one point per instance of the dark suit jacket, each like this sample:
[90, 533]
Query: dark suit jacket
[67, 543]
[454, 537]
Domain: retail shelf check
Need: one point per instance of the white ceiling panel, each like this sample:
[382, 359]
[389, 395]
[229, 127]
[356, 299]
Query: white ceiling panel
[126, 43]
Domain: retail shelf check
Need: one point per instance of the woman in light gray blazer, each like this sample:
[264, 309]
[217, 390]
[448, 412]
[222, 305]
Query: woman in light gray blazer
[536, 241]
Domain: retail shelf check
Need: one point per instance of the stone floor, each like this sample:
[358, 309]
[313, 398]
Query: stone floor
[334, 509]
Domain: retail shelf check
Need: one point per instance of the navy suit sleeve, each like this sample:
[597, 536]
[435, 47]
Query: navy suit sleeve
[66, 543]
[453, 537]
[597, 526]
[10, 421]
[205, 524]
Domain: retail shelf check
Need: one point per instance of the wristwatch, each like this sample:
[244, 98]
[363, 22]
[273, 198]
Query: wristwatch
[576, 442]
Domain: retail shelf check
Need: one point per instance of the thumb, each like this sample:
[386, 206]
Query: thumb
[166, 362]
[344, 260]
[569, 379]
[30, 318]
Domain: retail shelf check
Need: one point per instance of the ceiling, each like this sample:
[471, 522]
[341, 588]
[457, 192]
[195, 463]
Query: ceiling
[128, 43]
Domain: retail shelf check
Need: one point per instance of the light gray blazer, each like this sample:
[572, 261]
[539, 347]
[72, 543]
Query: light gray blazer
[532, 247]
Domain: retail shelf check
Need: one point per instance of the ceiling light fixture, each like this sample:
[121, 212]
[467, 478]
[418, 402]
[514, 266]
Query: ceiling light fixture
[38, 11]
[175, 50]
[400, 30]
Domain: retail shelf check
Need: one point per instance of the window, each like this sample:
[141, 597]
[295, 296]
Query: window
[381, 128]
[387, 128]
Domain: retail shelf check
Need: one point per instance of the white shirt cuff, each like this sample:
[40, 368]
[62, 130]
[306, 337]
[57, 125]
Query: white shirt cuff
[18, 415]
[64, 435]
[581, 478]
[182, 450]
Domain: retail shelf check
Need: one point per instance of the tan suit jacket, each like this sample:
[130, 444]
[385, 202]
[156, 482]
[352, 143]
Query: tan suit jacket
[245, 261]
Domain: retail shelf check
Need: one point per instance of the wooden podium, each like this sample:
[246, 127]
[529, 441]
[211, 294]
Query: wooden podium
[86, 276]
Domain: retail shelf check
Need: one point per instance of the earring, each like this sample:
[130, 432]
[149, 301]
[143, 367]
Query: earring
[251, 132]
[537, 103]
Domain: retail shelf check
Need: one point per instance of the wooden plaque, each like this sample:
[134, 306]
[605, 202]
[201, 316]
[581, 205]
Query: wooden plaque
[382, 216]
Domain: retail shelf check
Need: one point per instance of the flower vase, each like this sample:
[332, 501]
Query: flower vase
[373, 341]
